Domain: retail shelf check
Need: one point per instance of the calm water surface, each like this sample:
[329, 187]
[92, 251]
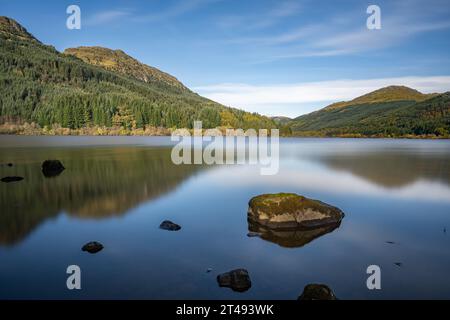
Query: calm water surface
[118, 190]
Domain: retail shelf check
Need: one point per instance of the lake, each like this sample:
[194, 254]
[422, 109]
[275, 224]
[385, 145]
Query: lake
[117, 190]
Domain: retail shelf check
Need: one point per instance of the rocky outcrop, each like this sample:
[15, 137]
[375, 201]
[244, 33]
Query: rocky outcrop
[238, 280]
[315, 291]
[284, 211]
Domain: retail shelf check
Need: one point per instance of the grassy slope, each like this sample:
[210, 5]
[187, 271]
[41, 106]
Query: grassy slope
[392, 111]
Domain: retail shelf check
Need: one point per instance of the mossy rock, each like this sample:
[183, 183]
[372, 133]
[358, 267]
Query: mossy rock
[292, 211]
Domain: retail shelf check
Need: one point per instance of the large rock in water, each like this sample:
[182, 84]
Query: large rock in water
[52, 168]
[315, 291]
[238, 280]
[291, 211]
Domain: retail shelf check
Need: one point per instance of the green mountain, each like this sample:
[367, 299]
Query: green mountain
[394, 111]
[96, 87]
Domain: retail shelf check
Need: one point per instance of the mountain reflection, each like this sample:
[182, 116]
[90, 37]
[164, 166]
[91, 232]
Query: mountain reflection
[97, 183]
[391, 169]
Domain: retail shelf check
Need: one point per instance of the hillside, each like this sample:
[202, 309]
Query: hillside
[281, 120]
[395, 111]
[119, 61]
[41, 85]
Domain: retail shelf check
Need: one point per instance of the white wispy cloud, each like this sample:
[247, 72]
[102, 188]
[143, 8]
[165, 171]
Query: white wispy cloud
[257, 98]
[345, 33]
[178, 9]
[257, 21]
[104, 17]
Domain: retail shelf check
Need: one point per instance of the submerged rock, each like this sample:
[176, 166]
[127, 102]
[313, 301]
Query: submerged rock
[11, 179]
[238, 280]
[10, 164]
[169, 225]
[92, 247]
[52, 168]
[291, 211]
[316, 291]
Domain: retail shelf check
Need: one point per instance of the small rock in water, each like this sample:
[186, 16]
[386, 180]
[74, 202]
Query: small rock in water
[390, 242]
[11, 179]
[398, 264]
[10, 164]
[238, 280]
[92, 247]
[52, 168]
[316, 291]
[208, 270]
[169, 225]
[252, 234]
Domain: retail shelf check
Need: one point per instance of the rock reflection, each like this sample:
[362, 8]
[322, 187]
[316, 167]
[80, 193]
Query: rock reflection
[293, 238]
[97, 183]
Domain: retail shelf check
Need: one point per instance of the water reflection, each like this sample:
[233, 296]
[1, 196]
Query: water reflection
[391, 169]
[97, 183]
[290, 238]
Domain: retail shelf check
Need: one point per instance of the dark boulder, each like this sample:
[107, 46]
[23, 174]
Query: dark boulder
[238, 280]
[169, 225]
[316, 291]
[11, 179]
[52, 168]
[92, 247]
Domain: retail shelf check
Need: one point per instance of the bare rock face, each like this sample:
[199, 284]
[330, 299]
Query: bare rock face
[52, 168]
[284, 211]
[316, 291]
[238, 280]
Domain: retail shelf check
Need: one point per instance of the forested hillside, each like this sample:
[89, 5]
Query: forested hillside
[40, 85]
[394, 111]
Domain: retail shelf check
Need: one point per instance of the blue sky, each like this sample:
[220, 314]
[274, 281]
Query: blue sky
[275, 57]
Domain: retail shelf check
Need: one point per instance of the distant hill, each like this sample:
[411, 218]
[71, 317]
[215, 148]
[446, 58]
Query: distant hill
[394, 111]
[93, 87]
[281, 120]
[387, 94]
